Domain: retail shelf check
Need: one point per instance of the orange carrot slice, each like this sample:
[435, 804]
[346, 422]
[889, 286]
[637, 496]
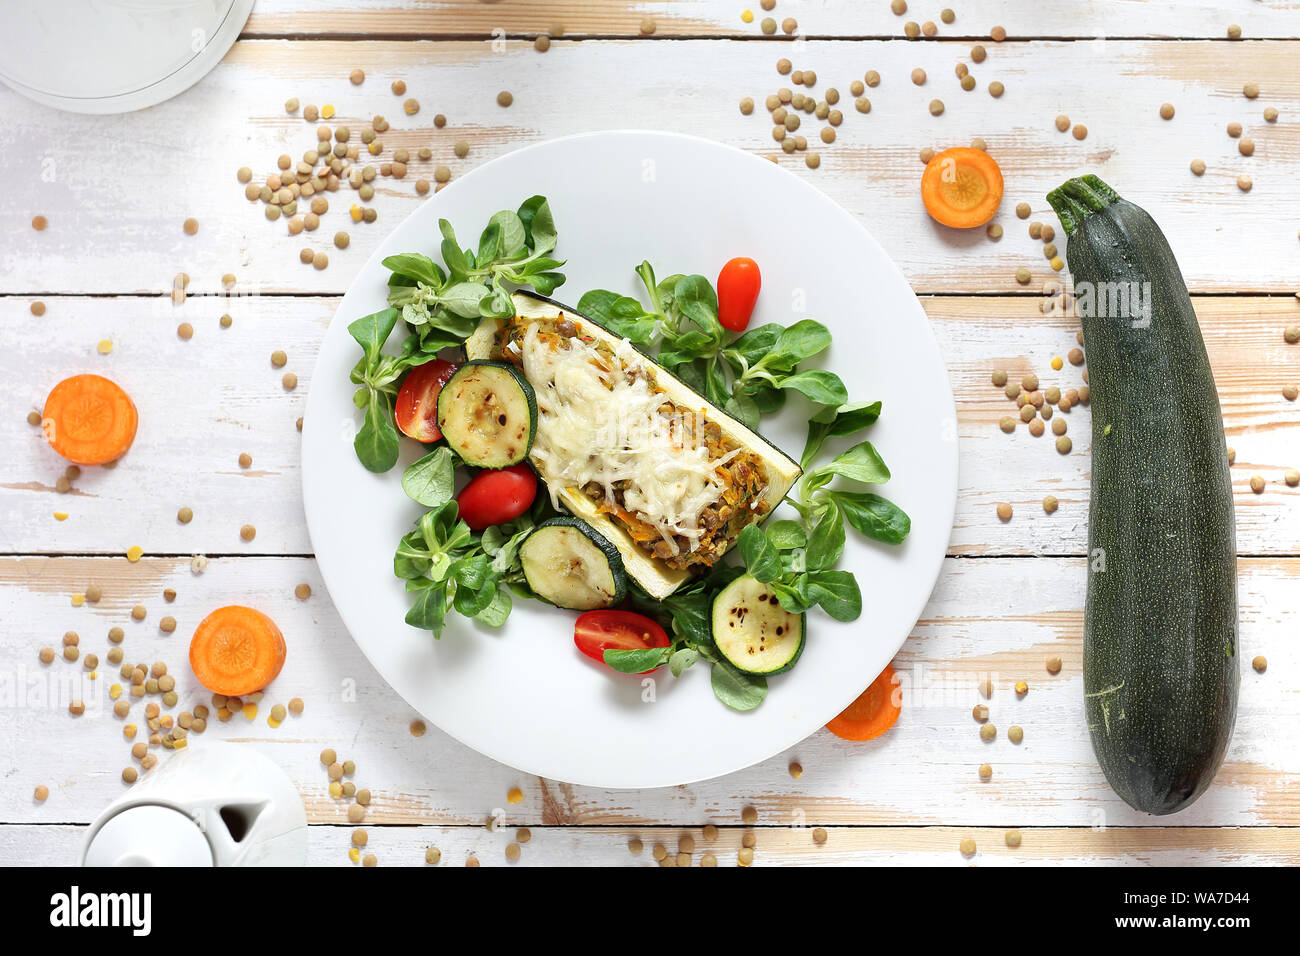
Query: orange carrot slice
[89, 420]
[236, 650]
[875, 711]
[962, 187]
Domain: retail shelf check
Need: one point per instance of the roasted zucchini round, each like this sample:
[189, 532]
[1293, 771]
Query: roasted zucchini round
[752, 631]
[488, 413]
[572, 565]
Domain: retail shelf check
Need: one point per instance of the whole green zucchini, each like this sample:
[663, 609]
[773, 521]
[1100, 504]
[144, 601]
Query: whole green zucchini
[1160, 667]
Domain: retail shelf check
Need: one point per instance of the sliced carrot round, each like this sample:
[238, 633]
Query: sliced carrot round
[875, 711]
[236, 650]
[962, 187]
[89, 420]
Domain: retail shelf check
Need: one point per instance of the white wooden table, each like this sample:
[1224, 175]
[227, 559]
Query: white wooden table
[116, 189]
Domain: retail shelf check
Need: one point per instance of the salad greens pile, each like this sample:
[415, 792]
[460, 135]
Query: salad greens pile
[681, 322]
[448, 567]
[445, 565]
[441, 308]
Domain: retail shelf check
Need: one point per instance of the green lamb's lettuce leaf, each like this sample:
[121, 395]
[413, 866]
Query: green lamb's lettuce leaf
[761, 558]
[876, 517]
[738, 691]
[431, 481]
[637, 661]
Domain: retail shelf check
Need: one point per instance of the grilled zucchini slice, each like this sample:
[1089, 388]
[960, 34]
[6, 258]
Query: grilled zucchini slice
[488, 413]
[752, 631]
[572, 565]
[653, 575]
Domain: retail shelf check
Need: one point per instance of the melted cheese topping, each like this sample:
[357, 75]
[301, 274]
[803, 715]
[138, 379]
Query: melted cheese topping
[600, 420]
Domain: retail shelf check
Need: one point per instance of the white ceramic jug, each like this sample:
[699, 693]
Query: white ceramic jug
[211, 804]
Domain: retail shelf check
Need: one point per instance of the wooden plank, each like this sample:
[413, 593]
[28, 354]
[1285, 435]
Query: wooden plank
[840, 18]
[1251, 362]
[998, 619]
[233, 402]
[149, 173]
[202, 403]
[26, 845]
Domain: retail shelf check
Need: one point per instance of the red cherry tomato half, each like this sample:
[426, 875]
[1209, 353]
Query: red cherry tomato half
[738, 285]
[417, 401]
[495, 497]
[598, 631]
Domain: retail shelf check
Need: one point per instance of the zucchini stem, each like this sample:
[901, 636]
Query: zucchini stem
[1075, 199]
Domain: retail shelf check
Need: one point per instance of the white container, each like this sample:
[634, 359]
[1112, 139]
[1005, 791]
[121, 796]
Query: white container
[211, 804]
[113, 56]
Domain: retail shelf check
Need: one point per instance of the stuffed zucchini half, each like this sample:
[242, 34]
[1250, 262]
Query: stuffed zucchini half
[622, 443]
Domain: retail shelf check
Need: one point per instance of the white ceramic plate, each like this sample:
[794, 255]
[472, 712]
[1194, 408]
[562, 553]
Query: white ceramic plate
[523, 694]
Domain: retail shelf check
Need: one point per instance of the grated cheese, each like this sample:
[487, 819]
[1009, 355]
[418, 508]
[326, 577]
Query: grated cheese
[600, 421]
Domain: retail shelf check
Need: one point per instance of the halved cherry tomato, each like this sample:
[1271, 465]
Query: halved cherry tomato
[598, 631]
[417, 401]
[498, 496]
[738, 285]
